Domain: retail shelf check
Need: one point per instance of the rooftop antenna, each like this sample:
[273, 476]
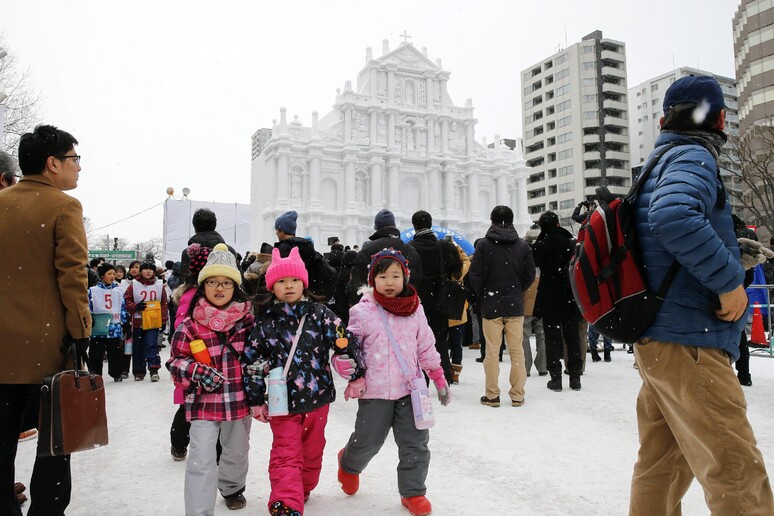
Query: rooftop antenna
[565, 35]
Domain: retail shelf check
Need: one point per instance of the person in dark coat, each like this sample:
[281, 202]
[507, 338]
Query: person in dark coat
[385, 236]
[440, 262]
[555, 304]
[204, 222]
[322, 277]
[501, 270]
[340, 305]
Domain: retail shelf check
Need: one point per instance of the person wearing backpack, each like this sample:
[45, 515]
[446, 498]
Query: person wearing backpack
[322, 277]
[555, 304]
[691, 411]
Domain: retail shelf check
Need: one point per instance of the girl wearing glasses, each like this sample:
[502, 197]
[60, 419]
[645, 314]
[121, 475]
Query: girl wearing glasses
[205, 362]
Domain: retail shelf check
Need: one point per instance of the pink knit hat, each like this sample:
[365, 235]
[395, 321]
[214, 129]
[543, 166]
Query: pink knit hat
[290, 267]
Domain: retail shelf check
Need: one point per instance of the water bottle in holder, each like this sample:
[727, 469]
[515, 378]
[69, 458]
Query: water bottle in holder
[420, 402]
[278, 393]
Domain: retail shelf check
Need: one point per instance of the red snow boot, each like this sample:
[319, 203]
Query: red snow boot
[417, 505]
[350, 482]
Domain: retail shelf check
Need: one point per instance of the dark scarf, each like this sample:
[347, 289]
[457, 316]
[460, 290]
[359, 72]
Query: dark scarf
[402, 305]
[711, 140]
[421, 232]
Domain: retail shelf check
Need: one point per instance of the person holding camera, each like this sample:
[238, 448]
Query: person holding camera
[582, 211]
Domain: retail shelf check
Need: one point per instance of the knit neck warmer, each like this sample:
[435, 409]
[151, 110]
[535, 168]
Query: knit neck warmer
[421, 232]
[711, 140]
[146, 281]
[220, 319]
[403, 305]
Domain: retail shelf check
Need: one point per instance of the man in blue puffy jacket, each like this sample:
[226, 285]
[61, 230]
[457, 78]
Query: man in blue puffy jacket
[691, 411]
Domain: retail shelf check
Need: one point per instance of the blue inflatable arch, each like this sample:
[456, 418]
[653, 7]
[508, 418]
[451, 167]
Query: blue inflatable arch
[441, 232]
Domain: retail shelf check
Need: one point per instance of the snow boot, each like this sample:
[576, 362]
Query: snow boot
[417, 505]
[575, 383]
[178, 454]
[555, 383]
[279, 508]
[456, 370]
[607, 356]
[236, 501]
[745, 379]
[350, 482]
[494, 402]
[594, 353]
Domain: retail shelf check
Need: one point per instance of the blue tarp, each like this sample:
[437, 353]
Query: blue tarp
[441, 232]
[758, 295]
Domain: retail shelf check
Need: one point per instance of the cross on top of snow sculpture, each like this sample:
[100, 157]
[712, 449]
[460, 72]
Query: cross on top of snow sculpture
[405, 37]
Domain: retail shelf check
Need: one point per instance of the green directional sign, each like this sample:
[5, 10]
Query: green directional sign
[112, 255]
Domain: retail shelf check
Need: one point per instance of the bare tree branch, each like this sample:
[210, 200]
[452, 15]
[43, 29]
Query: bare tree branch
[22, 105]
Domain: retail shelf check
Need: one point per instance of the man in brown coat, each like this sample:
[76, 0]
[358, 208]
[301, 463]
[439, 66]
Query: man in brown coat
[43, 286]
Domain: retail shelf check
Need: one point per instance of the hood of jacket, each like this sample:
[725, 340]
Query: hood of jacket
[390, 232]
[502, 233]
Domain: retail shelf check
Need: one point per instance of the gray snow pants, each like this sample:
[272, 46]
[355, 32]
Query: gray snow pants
[202, 474]
[374, 420]
[534, 326]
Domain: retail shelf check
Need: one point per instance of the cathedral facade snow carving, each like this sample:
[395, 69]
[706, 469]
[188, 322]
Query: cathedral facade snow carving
[397, 141]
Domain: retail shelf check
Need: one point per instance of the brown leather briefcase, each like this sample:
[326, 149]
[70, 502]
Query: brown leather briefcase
[72, 412]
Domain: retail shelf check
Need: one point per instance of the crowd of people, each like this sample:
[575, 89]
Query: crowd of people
[261, 336]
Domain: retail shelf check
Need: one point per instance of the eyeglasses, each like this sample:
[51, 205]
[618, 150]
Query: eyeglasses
[228, 285]
[75, 158]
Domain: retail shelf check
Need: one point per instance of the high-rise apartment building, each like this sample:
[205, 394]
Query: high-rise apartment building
[576, 127]
[645, 111]
[754, 62]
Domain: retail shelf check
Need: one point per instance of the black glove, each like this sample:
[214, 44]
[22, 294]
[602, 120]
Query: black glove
[140, 306]
[81, 348]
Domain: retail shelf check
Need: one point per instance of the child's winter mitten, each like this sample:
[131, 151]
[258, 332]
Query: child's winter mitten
[441, 385]
[343, 365]
[210, 379]
[355, 389]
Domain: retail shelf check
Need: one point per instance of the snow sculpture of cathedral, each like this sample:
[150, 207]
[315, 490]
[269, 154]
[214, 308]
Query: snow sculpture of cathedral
[397, 142]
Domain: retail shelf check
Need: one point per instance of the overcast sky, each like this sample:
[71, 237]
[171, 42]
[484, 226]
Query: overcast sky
[163, 93]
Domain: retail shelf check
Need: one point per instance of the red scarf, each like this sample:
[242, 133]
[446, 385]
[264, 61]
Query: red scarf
[403, 305]
[220, 319]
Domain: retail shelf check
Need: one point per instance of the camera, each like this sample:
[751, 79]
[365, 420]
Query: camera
[332, 240]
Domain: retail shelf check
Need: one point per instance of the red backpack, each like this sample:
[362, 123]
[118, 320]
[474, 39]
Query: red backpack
[606, 273]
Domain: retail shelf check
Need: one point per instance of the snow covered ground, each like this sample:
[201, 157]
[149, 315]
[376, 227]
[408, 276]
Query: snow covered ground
[561, 453]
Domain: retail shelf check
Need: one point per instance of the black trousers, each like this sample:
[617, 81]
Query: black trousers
[440, 326]
[560, 329]
[115, 356]
[743, 364]
[51, 482]
[179, 433]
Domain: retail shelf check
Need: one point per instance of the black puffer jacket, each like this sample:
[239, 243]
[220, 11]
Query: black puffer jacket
[322, 277]
[553, 250]
[500, 271]
[205, 239]
[382, 239]
[439, 261]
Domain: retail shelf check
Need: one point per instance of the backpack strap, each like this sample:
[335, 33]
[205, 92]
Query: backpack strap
[647, 169]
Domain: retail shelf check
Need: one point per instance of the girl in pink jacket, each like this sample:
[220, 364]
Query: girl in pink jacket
[386, 403]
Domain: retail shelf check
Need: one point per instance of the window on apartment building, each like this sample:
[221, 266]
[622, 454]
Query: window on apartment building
[567, 104]
[551, 173]
[561, 74]
[551, 157]
[654, 102]
[656, 116]
[591, 81]
[589, 98]
[550, 126]
[640, 133]
[567, 153]
[564, 138]
[567, 120]
[538, 130]
[528, 104]
[534, 178]
[566, 170]
[550, 142]
[535, 71]
[530, 133]
[566, 204]
[551, 189]
[552, 205]
[590, 115]
[562, 90]
[539, 208]
[566, 187]
[587, 49]
[549, 80]
[560, 59]
[645, 118]
[639, 120]
[549, 95]
[638, 94]
[540, 192]
[548, 64]
[536, 161]
[654, 87]
[588, 65]
[643, 91]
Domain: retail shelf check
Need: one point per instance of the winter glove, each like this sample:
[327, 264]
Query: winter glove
[81, 348]
[140, 306]
[209, 378]
[260, 412]
[441, 385]
[753, 253]
[344, 365]
[258, 369]
[355, 389]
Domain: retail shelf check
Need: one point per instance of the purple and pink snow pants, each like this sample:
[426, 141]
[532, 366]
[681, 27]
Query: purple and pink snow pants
[296, 456]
